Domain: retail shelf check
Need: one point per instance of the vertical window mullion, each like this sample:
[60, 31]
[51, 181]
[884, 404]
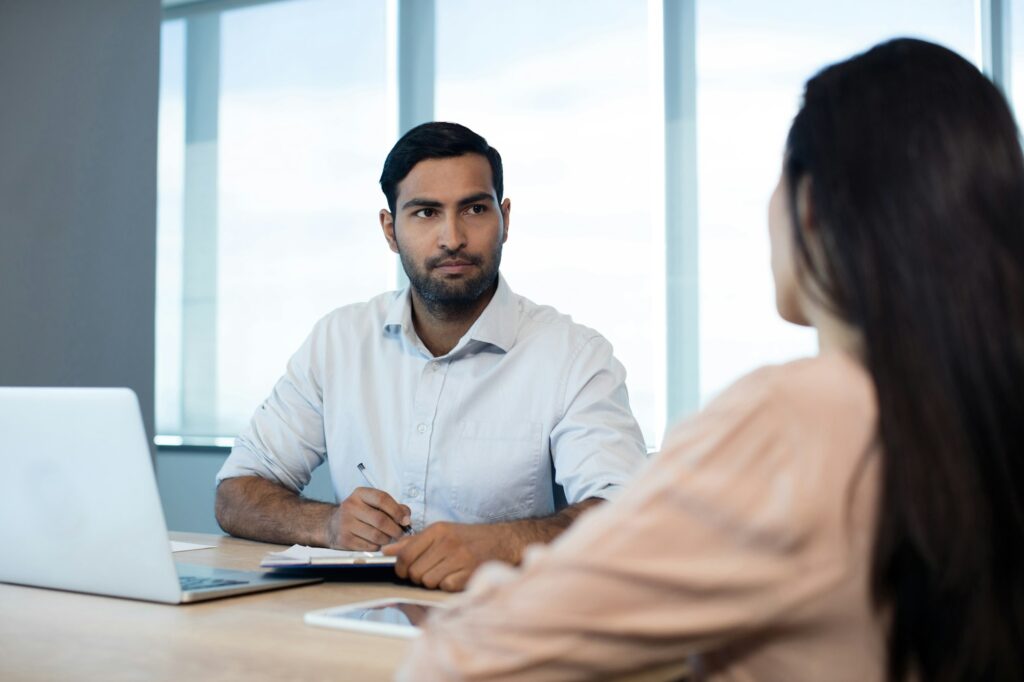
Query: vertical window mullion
[199, 261]
[995, 30]
[681, 256]
[414, 45]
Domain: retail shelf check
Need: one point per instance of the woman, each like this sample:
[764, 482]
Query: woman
[854, 516]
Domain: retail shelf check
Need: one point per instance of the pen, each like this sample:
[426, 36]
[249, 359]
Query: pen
[370, 482]
[366, 476]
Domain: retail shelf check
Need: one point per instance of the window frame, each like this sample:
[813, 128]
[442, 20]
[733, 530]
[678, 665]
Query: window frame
[411, 78]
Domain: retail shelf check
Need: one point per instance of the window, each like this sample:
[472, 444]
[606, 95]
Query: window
[570, 103]
[743, 117]
[268, 201]
[275, 118]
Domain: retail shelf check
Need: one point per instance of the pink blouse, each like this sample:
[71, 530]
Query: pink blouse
[744, 546]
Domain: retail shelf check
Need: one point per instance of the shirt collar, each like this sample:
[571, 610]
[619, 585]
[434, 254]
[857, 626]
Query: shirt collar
[399, 315]
[497, 324]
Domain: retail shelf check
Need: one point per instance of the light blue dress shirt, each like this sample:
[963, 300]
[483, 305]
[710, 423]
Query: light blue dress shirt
[525, 402]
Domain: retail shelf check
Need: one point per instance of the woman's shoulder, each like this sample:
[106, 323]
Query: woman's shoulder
[833, 383]
[774, 454]
[781, 415]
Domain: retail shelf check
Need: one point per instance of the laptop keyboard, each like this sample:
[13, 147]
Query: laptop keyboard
[191, 582]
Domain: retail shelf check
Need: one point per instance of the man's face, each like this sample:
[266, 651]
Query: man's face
[448, 229]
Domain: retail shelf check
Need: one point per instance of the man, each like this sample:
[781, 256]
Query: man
[453, 409]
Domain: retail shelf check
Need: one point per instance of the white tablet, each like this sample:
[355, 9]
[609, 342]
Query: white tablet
[391, 617]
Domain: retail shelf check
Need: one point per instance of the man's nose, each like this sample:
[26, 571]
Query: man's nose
[451, 237]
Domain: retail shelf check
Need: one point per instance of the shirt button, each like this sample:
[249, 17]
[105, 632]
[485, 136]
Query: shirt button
[413, 492]
[422, 428]
[435, 365]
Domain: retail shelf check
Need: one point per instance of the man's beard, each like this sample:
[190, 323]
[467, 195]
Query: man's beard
[445, 297]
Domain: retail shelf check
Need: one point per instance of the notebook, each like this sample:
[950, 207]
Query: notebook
[79, 506]
[298, 556]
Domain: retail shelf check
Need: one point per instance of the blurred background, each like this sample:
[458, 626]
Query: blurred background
[641, 141]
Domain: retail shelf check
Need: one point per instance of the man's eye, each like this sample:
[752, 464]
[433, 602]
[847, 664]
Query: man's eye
[477, 209]
[425, 213]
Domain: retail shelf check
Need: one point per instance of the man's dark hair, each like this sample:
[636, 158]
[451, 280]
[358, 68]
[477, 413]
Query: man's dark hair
[435, 141]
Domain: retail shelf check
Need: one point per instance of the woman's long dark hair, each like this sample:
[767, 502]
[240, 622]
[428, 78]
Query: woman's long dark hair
[917, 188]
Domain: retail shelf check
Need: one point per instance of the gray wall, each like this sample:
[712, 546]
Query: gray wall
[187, 488]
[78, 125]
[78, 139]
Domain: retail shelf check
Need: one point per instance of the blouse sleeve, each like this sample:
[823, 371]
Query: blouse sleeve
[717, 538]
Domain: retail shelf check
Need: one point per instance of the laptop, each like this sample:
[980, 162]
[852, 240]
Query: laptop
[79, 506]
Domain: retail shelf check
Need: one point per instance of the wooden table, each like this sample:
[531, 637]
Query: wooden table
[52, 635]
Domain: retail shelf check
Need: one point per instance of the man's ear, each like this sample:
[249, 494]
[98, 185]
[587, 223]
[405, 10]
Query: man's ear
[506, 213]
[387, 224]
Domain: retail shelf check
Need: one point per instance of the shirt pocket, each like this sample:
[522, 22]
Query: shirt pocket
[496, 468]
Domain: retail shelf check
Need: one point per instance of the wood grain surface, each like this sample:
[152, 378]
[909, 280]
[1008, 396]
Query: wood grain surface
[53, 635]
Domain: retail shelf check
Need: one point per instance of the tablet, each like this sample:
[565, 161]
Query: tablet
[391, 617]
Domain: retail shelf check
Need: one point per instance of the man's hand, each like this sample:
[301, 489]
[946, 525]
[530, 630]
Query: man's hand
[446, 554]
[366, 520]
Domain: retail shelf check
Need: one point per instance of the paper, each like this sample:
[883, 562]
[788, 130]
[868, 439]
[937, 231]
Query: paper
[300, 555]
[186, 546]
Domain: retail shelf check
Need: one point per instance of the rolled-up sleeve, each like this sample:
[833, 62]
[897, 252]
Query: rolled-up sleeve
[596, 444]
[284, 441]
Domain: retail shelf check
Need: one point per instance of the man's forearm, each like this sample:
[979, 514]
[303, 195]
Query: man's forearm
[258, 509]
[543, 530]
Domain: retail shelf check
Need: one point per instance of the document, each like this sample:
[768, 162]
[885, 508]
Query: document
[301, 555]
[186, 546]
